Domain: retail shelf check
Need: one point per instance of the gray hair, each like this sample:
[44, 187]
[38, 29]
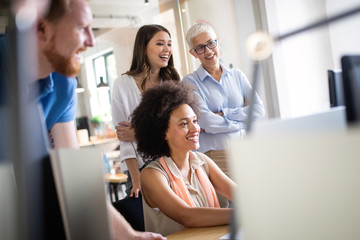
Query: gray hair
[196, 29]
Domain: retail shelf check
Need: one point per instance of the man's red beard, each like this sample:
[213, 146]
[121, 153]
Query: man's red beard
[66, 66]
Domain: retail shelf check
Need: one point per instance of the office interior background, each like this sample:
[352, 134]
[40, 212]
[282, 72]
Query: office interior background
[294, 79]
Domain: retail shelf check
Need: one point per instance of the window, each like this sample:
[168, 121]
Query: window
[104, 67]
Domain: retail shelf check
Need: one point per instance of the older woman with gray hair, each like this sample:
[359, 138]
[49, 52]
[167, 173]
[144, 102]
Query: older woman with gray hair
[223, 93]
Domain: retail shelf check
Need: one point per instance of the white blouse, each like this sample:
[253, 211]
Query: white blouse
[125, 97]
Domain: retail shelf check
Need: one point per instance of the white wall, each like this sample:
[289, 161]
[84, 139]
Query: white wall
[301, 61]
[245, 19]
[245, 26]
[345, 34]
[122, 40]
[221, 17]
[169, 17]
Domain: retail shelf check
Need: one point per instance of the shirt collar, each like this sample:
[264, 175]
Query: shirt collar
[41, 88]
[225, 69]
[46, 86]
[202, 73]
[195, 163]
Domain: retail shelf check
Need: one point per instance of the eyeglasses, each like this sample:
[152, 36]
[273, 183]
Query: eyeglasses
[210, 45]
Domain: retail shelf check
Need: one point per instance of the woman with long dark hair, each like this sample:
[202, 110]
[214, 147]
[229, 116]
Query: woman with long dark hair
[152, 63]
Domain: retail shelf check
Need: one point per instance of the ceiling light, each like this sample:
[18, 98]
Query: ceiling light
[102, 84]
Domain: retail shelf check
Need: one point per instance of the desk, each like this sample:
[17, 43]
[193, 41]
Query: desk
[106, 144]
[208, 233]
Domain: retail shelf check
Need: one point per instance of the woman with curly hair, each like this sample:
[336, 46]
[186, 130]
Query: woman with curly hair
[152, 63]
[178, 185]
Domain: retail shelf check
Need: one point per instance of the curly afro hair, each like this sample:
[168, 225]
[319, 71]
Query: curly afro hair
[150, 119]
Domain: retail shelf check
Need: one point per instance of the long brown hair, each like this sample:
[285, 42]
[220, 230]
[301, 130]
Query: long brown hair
[140, 62]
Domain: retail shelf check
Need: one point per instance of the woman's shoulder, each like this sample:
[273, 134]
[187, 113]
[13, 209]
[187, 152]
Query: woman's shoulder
[125, 84]
[154, 165]
[237, 73]
[194, 76]
[124, 80]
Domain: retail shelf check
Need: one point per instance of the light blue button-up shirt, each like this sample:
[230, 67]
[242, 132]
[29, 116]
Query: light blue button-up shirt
[225, 96]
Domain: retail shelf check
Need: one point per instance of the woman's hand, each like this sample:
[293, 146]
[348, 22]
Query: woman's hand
[133, 168]
[124, 132]
[136, 189]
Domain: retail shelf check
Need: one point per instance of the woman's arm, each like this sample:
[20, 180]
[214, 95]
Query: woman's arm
[222, 183]
[122, 230]
[157, 193]
[133, 168]
[241, 113]
[122, 103]
[215, 122]
[210, 121]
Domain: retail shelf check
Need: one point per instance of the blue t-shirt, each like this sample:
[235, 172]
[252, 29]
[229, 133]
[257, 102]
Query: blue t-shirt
[58, 99]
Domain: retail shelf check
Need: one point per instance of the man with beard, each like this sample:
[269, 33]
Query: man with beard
[61, 35]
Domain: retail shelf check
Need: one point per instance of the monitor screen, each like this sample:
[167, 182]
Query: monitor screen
[351, 80]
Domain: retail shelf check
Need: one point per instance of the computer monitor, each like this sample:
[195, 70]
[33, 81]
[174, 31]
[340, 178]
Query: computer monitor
[336, 89]
[80, 187]
[351, 80]
[297, 186]
[333, 119]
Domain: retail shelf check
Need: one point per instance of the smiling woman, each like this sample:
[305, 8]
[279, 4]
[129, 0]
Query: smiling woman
[178, 186]
[224, 94]
[152, 64]
[115, 27]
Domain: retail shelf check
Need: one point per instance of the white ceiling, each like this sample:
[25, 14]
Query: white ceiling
[116, 13]
[121, 13]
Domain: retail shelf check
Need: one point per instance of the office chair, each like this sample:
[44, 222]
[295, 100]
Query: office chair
[132, 210]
